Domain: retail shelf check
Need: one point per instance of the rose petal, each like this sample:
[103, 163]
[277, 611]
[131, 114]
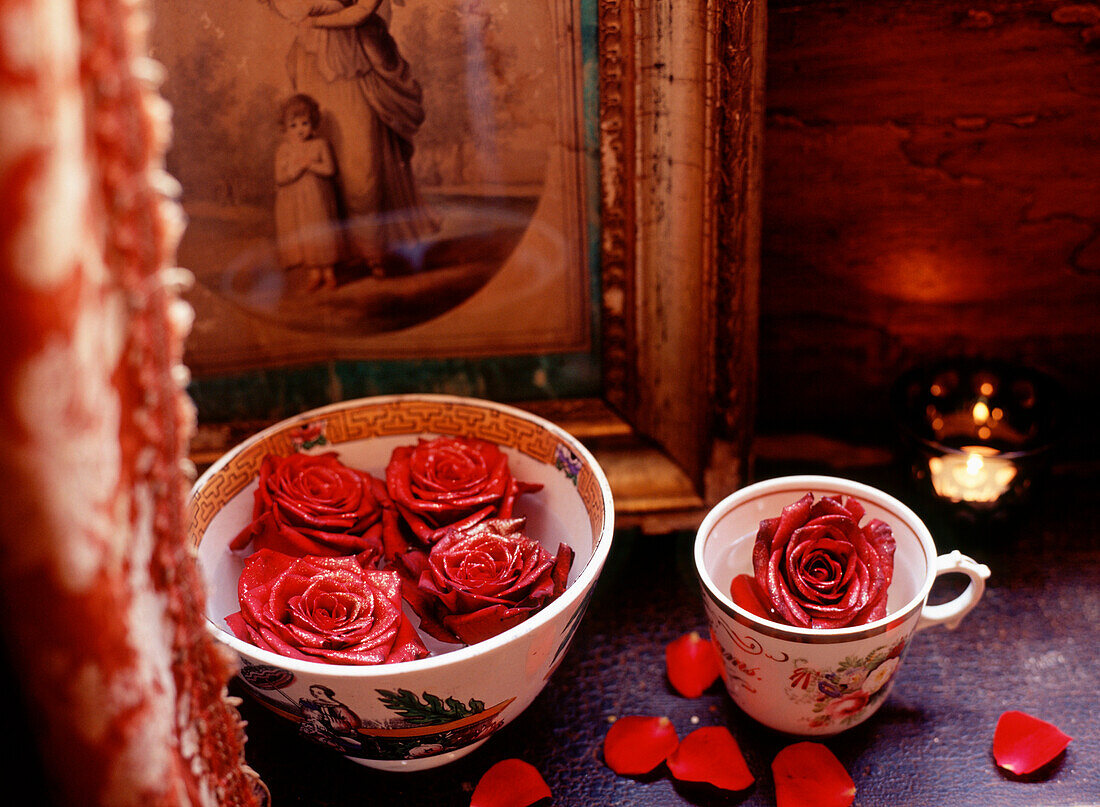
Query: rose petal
[855, 508]
[745, 592]
[510, 783]
[636, 744]
[563, 562]
[711, 755]
[692, 664]
[1022, 743]
[485, 623]
[807, 774]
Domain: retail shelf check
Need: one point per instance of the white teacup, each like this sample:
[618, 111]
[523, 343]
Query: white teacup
[807, 681]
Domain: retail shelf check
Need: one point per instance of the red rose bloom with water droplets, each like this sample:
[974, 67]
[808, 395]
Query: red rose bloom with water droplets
[481, 580]
[819, 568]
[313, 504]
[323, 609]
[451, 482]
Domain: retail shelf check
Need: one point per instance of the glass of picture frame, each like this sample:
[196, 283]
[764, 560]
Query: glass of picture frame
[553, 203]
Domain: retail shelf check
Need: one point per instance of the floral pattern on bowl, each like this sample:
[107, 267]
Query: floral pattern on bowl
[567, 462]
[839, 696]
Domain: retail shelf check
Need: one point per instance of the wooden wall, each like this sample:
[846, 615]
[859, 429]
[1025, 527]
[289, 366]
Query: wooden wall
[931, 188]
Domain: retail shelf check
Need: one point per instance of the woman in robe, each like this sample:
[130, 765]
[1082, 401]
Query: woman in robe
[345, 58]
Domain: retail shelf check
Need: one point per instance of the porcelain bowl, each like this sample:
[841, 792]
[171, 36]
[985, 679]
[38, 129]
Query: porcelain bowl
[416, 714]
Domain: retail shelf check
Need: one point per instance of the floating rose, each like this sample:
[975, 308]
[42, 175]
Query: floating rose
[819, 568]
[451, 481]
[711, 755]
[1022, 744]
[312, 504]
[510, 783]
[808, 774]
[636, 744]
[692, 664]
[323, 609]
[481, 580]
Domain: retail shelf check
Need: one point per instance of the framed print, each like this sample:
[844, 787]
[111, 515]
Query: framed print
[552, 203]
[381, 179]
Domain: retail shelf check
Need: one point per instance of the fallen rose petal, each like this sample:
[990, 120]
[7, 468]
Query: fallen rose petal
[510, 783]
[637, 744]
[711, 755]
[1022, 743]
[692, 664]
[807, 774]
[745, 592]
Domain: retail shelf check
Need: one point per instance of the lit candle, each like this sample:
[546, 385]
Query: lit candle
[976, 433]
[977, 474]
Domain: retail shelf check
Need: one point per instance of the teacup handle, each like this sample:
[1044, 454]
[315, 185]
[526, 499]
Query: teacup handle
[950, 613]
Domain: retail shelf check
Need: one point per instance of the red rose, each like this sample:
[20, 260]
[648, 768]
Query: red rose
[481, 580]
[848, 704]
[451, 481]
[323, 609]
[312, 504]
[819, 568]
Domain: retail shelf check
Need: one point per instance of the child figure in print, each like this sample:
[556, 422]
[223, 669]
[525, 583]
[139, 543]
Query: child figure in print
[307, 228]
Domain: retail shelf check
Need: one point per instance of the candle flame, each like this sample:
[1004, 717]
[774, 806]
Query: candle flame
[980, 412]
[977, 474]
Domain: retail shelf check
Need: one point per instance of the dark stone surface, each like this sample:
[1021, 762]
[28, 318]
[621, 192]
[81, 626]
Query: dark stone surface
[1030, 645]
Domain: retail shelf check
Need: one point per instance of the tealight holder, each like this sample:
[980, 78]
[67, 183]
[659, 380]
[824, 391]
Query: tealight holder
[976, 434]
